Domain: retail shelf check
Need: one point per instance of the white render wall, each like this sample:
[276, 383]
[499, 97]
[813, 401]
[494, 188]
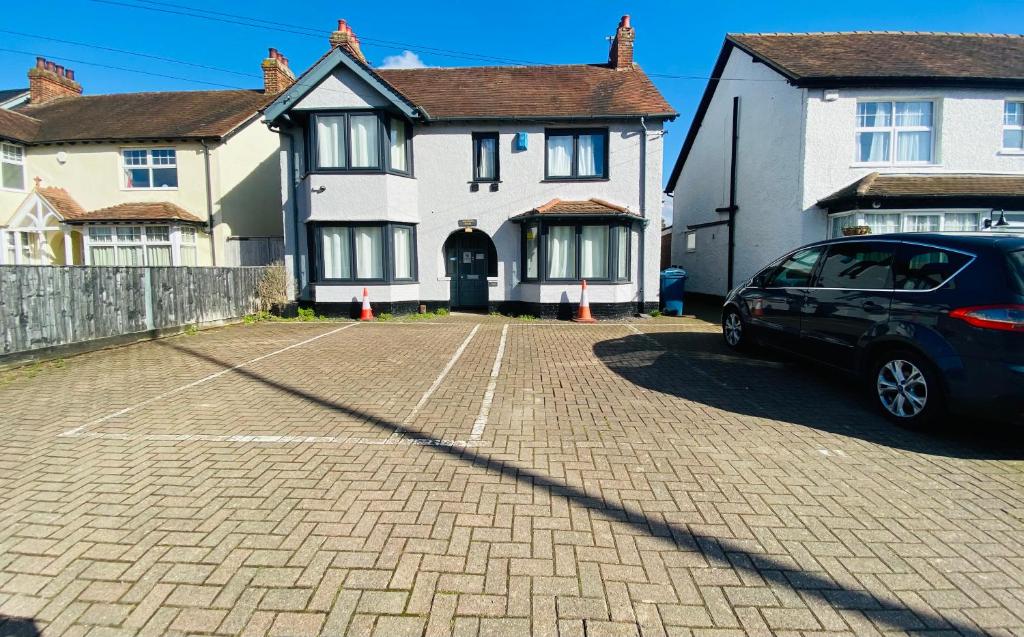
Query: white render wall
[968, 136]
[439, 196]
[769, 171]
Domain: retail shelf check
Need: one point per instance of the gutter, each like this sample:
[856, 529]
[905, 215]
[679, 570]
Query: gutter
[732, 207]
[554, 118]
[641, 270]
[209, 201]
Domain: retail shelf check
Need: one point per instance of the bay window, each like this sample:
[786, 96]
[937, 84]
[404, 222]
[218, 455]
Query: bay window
[1013, 126]
[576, 154]
[378, 252]
[894, 132]
[12, 167]
[360, 141]
[142, 245]
[485, 157]
[149, 168]
[570, 251]
[905, 221]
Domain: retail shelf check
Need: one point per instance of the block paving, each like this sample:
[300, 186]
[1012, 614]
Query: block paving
[630, 479]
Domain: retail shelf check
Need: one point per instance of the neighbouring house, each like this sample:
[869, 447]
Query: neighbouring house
[11, 97]
[801, 137]
[497, 187]
[666, 247]
[162, 178]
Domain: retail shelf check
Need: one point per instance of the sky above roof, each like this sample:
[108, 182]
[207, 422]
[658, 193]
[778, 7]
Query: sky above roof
[678, 39]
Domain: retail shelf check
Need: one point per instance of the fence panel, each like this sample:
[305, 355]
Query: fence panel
[48, 306]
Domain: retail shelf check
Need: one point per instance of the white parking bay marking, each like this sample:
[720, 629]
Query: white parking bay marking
[77, 431]
[485, 407]
[440, 377]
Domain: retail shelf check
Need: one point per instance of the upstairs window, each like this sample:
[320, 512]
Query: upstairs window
[895, 132]
[576, 154]
[361, 142]
[12, 166]
[485, 157]
[150, 168]
[1013, 126]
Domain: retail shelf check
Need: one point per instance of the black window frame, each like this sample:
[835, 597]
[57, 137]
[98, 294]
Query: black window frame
[574, 164]
[477, 137]
[383, 144]
[543, 226]
[388, 247]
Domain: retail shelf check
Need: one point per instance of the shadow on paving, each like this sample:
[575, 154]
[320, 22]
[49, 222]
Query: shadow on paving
[795, 392]
[18, 627]
[723, 552]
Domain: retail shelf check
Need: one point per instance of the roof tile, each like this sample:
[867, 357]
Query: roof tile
[150, 211]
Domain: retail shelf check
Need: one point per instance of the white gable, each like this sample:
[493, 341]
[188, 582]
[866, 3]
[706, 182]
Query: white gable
[342, 89]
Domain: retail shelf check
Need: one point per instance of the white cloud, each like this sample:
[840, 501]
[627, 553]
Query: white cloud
[407, 60]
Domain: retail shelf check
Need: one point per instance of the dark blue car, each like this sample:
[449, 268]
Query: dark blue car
[934, 323]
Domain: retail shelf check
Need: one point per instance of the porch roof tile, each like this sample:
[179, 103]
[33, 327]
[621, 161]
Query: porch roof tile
[147, 211]
[876, 186]
[591, 206]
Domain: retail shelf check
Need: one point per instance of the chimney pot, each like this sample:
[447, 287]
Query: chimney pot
[624, 22]
[70, 74]
[40, 63]
[620, 55]
[59, 70]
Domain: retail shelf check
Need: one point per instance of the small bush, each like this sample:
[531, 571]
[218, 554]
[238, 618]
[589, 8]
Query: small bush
[258, 317]
[191, 330]
[442, 311]
[526, 317]
[385, 316]
[306, 314]
[272, 287]
[655, 313]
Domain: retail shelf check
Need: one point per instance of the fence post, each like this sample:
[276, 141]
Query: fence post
[147, 285]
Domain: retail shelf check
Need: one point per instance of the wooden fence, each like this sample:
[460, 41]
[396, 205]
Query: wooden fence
[51, 306]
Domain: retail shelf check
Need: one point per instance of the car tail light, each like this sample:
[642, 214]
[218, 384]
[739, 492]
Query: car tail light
[1008, 318]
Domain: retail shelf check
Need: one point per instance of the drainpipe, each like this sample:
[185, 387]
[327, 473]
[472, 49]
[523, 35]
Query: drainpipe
[641, 269]
[294, 211]
[732, 207]
[209, 201]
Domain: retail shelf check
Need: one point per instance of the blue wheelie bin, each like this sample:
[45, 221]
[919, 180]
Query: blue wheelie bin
[673, 286]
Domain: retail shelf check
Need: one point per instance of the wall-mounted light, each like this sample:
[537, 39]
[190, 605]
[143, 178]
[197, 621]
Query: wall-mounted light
[1002, 223]
[320, 190]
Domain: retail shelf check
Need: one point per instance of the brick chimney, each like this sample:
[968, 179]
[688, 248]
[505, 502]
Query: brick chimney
[276, 74]
[621, 54]
[346, 39]
[48, 81]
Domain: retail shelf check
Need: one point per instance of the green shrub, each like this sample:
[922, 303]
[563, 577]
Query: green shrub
[385, 316]
[191, 330]
[655, 313]
[442, 311]
[527, 317]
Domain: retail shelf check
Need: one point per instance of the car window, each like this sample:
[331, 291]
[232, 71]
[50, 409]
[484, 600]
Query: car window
[1017, 268]
[795, 272]
[861, 265]
[921, 267]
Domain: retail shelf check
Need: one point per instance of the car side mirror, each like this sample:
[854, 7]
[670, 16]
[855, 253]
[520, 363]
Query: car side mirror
[758, 281]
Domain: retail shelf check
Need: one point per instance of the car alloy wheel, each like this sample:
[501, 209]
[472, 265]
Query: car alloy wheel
[902, 388]
[732, 329]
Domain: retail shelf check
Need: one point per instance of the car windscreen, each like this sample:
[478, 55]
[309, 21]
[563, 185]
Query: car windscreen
[1016, 259]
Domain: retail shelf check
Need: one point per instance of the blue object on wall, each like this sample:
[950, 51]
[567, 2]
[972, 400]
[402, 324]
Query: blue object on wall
[521, 141]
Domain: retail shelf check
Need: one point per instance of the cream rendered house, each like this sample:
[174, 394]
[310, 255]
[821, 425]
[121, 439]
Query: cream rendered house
[168, 178]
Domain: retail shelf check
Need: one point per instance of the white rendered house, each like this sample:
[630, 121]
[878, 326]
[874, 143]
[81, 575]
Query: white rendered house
[800, 136]
[475, 187]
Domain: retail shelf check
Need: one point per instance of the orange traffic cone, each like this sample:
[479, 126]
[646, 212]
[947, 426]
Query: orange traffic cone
[583, 314]
[367, 313]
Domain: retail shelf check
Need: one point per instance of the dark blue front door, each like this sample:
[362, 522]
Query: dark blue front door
[469, 252]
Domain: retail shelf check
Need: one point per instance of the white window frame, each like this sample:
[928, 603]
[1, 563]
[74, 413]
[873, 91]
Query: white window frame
[691, 241]
[175, 239]
[860, 217]
[149, 165]
[894, 131]
[24, 171]
[1011, 150]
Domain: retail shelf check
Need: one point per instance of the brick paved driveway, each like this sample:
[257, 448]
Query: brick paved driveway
[473, 477]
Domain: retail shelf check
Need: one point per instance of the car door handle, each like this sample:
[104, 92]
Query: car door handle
[872, 307]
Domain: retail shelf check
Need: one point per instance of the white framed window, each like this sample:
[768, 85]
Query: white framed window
[142, 245]
[905, 221]
[691, 241]
[149, 168]
[1013, 126]
[895, 132]
[12, 167]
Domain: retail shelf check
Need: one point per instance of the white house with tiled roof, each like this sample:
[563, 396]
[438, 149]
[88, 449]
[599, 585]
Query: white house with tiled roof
[163, 178]
[804, 136]
[478, 188]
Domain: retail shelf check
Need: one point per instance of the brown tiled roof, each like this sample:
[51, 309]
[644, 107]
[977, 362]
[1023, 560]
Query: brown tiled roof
[161, 115]
[571, 90]
[876, 186]
[957, 56]
[584, 207]
[62, 202]
[17, 127]
[140, 211]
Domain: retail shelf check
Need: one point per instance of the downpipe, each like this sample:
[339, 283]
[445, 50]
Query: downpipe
[641, 267]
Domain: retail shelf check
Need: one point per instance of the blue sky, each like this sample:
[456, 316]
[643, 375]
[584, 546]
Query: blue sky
[676, 38]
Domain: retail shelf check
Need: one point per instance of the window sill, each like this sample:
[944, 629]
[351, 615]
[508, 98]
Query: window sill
[13, 190]
[597, 282]
[123, 189]
[1011, 151]
[485, 181]
[562, 180]
[892, 165]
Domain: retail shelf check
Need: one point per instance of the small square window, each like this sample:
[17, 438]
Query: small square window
[1013, 125]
